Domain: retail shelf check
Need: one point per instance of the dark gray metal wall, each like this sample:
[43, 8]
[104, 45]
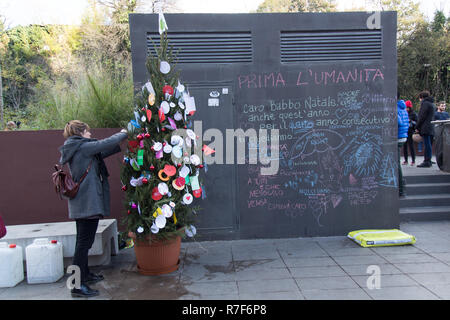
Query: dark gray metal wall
[326, 81]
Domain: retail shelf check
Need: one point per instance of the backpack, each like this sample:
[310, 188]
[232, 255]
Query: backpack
[65, 187]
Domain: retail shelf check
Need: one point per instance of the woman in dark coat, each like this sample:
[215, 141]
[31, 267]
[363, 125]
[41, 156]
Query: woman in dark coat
[424, 126]
[92, 200]
[412, 127]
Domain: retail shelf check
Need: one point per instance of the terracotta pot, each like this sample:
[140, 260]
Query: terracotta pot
[157, 257]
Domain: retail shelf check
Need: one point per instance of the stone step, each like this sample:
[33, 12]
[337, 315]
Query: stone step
[425, 200]
[441, 178]
[427, 188]
[424, 213]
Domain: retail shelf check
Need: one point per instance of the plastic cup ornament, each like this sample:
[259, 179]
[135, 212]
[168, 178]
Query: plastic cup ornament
[167, 91]
[151, 99]
[191, 231]
[154, 228]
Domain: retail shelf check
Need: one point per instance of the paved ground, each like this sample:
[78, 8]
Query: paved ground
[301, 268]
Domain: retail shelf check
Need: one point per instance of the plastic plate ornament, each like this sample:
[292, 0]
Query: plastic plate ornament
[176, 140]
[167, 148]
[163, 188]
[195, 160]
[177, 152]
[160, 221]
[164, 67]
[167, 210]
[165, 107]
[184, 171]
[178, 116]
[188, 198]
[157, 146]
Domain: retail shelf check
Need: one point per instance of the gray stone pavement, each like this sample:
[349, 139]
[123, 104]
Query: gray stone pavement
[323, 268]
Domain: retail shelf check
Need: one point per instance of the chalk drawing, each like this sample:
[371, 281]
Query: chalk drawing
[317, 140]
[388, 171]
[362, 156]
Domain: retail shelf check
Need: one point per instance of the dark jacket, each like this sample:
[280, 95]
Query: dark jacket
[93, 197]
[402, 119]
[426, 115]
[412, 122]
[441, 115]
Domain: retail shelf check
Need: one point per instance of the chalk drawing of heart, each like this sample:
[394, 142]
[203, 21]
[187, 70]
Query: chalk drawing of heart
[365, 112]
[341, 113]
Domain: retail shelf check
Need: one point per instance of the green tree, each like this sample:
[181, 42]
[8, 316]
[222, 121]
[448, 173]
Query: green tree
[297, 6]
[424, 61]
[409, 16]
[24, 62]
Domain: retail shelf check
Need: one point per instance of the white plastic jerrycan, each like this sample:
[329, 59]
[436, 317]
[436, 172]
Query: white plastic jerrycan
[11, 265]
[44, 260]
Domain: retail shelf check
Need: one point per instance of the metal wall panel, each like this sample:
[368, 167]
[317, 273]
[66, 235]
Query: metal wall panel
[328, 84]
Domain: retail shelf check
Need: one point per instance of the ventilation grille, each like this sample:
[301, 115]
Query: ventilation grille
[207, 47]
[307, 46]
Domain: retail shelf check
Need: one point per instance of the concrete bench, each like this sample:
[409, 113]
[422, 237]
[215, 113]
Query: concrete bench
[105, 244]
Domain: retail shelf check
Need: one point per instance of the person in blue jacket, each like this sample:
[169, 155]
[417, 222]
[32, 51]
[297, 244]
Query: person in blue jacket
[403, 125]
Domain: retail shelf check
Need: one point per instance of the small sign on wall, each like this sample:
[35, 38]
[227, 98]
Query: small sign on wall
[213, 102]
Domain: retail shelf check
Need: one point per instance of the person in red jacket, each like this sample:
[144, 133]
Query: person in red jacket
[409, 141]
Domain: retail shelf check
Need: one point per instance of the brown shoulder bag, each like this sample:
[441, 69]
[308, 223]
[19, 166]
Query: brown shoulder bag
[64, 184]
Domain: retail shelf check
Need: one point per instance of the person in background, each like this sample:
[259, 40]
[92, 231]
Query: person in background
[10, 126]
[424, 126]
[440, 113]
[403, 126]
[412, 127]
[92, 202]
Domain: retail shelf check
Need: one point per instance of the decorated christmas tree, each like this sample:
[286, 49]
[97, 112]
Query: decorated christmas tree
[160, 172]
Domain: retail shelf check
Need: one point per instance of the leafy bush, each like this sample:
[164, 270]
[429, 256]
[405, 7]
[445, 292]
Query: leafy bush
[97, 98]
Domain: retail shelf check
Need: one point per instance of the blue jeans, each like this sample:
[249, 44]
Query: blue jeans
[427, 144]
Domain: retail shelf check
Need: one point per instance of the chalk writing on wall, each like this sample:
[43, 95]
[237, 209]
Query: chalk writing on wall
[333, 140]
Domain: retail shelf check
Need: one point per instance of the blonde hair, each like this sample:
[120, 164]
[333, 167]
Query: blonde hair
[75, 128]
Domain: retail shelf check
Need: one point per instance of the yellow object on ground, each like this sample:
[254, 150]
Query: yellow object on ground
[378, 238]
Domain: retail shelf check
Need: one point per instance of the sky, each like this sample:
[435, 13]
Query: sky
[26, 12]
